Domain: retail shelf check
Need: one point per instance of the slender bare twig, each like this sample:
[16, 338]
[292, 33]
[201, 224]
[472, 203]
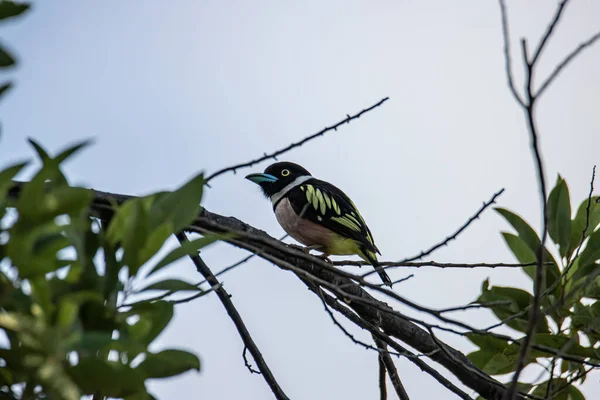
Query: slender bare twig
[455, 234]
[247, 363]
[477, 305]
[507, 58]
[274, 155]
[396, 264]
[587, 218]
[381, 378]
[566, 62]
[549, 31]
[237, 320]
[396, 346]
[389, 366]
[540, 272]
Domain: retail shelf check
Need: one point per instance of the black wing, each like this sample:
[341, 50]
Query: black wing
[325, 204]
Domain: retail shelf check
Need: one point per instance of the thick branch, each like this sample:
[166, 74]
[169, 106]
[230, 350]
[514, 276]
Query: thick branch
[390, 322]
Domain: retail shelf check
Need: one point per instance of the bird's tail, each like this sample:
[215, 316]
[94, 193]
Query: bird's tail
[371, 258]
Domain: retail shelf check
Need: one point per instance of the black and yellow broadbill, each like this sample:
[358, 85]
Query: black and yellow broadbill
[317, 214]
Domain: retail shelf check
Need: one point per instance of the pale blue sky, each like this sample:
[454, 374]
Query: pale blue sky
[171, 88]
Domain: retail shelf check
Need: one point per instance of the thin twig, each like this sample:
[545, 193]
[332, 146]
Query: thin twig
[273, 155]
[381, 378]
[549, 31]
[587, 215]
[237, 320]
[247, 363]
[566, 62]
[507, 59]
[540, 272]
[357, 320]
[455, 234]
[478, 305]
[396, 264]
[391, 370]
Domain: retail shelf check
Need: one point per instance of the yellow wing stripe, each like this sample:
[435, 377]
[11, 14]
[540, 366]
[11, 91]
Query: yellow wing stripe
[327, 199]
[346, 222]
[322, 203]
[336, 207]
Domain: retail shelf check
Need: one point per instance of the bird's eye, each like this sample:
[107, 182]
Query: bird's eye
[285, 172]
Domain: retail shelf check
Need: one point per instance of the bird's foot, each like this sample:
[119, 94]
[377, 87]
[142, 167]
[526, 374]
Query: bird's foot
[324, 257]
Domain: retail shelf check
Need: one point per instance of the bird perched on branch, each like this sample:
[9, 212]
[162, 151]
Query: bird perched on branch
[317, 214]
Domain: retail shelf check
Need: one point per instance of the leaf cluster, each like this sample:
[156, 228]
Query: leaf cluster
[571, 313]
[66, 284]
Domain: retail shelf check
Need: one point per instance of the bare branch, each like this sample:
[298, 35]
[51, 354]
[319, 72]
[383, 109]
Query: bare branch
[389, 366]
[237, 320]
[549, 31]
[247, 363]
[478, 305]
[455, 234]
[396, 346]
[306, 266]
[587, 216]
[540, 272]
[507, 59]
[276, 153]
[382, 384]
[566, 62]
[397, 264]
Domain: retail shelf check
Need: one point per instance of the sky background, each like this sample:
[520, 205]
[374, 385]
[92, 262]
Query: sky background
[168, 89]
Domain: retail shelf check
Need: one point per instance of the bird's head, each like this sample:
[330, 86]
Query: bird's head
[277, 176]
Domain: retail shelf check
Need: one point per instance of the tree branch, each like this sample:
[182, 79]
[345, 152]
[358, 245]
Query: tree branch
[388, 365]
[237, 320]
[276, 153]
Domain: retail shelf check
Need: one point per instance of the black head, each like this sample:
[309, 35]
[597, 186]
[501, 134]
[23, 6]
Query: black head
[277, 176]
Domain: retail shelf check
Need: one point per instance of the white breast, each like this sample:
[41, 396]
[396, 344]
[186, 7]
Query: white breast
[304, 231]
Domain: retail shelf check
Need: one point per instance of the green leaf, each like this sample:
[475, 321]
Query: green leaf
[154, 318]
[564, 343]
[110, 378]
[531, 239]
[519, 301]
[174, 285]
[42, 154]
[578, 224]
[5, 87]
[526, 232]
[6, 60]
[591, 253]
[168, 363]
[574, 393]
[487, 343]
[524, 253]
[180, 207]
[134, 236]
[187, 248]
[9, 9]
[69, 151]
[59, 201]
[559, 215]
[492, 363]
[6, 177]
[155, 241]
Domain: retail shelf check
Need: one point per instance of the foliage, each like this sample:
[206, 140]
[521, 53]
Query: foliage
[572, 315]
[69, 323]
[8, 10]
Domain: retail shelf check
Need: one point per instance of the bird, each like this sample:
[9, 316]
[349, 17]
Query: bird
[317, 214]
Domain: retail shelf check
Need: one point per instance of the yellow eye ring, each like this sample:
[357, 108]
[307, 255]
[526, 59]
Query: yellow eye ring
[285, 172]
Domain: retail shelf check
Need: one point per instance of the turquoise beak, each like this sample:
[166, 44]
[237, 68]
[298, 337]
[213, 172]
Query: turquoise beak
[261, 178]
